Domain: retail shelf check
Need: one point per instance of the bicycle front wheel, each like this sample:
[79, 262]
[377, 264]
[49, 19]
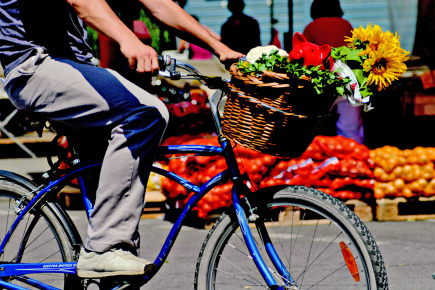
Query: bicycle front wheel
[39, 238]
[320, 242]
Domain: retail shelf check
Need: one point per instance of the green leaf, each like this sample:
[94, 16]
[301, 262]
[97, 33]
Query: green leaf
[365, 91]
[359, 74]
[340, 90]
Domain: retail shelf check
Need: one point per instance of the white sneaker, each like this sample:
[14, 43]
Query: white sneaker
[115, 262]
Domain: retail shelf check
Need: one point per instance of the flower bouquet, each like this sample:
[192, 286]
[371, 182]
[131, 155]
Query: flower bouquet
[277, 101]
[372, 60]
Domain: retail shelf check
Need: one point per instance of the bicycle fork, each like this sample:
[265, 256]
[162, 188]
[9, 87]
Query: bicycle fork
[238, 188]
[265, 271]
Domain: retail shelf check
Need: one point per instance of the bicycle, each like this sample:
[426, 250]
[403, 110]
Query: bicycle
[303, 237]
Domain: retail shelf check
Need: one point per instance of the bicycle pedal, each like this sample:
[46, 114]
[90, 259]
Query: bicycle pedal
[121, 282]
[125, 287]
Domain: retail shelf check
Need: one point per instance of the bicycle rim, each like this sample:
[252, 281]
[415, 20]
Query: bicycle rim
[315, 239]
[39, 238]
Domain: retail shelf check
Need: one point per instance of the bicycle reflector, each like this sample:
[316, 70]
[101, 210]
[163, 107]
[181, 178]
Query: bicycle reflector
[350, 261]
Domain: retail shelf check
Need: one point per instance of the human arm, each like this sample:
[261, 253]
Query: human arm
[188, 28]
[214, 34]
[183, 45]
[99, 16]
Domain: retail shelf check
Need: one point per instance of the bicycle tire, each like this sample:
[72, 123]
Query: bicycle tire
[224, 261]
[40, 238]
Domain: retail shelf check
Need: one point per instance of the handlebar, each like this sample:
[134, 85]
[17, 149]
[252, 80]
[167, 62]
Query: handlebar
[168, 69]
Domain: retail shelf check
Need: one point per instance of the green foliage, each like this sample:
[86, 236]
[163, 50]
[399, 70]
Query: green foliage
[160, 36]
[352, 58]
[323, 81]
[154, 30]
[92, 41]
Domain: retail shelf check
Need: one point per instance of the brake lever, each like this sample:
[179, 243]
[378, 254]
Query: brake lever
[168, 67]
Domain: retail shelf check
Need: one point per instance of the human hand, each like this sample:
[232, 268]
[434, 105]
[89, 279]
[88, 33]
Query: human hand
[141, 57]
[229, 56]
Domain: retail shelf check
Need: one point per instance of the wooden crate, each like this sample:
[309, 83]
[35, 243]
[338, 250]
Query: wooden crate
[71, 198]
[402, 209]
[154, 203]
[363, 210]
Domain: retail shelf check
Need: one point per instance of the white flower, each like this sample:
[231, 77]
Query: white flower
[257, 52]
[355, 99]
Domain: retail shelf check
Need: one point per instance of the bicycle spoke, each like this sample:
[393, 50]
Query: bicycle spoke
[283, 250]
[33, 241]
[257, 283]
[340, 279]
[238, 277]
[49, 257]
[327, 246]
[38, 238]
[7, 218]
[309, 253]
[240, 251]
[327, 258]
[326, 277]
[307, 232]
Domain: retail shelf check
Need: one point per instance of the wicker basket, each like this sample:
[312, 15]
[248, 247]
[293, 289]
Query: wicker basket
[273, 114]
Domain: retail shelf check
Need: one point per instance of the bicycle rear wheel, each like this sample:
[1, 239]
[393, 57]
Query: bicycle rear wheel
[39, 238]
[321, 243]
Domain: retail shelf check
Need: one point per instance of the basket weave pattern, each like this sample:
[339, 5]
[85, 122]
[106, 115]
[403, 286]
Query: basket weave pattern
[273, 113]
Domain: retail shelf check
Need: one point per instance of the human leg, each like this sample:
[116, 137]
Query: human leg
[89, 98]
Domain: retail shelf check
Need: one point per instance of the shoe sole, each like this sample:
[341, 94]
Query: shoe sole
[96, 274]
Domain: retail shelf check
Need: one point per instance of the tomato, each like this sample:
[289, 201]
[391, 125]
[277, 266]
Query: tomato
[177, 166]
[180, 190]
[268, 160]
[207, 207]
[281, 166]
[203, 160]
[201, 213]
[254, 168]
[255, 177]
[220, 163]
[216, 198]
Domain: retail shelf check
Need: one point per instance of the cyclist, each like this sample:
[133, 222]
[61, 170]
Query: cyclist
[48, 71]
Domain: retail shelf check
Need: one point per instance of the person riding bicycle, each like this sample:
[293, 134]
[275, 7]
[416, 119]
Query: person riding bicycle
[48, 71]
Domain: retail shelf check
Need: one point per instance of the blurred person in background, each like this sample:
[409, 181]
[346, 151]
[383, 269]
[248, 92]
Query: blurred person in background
[195, 51]
[240, 32]
[328, 27]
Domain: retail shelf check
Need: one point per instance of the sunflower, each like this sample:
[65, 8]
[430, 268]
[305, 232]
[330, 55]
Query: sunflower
[367, 39]
[394, 41]
[385, 64]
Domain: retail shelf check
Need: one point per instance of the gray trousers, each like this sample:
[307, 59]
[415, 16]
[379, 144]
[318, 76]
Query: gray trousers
[83, 97]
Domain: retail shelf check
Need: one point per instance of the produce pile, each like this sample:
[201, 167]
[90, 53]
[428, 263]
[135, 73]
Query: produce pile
[404, 173]
[335, 165]
[200, 169]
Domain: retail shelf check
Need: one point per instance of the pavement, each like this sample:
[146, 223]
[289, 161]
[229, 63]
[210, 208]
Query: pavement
[25, 166]
[408, 247]
[408, 250]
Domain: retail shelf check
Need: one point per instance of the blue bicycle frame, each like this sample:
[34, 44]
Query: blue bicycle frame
[239, 188]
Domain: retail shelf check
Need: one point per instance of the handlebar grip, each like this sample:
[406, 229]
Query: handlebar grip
[164, 61]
